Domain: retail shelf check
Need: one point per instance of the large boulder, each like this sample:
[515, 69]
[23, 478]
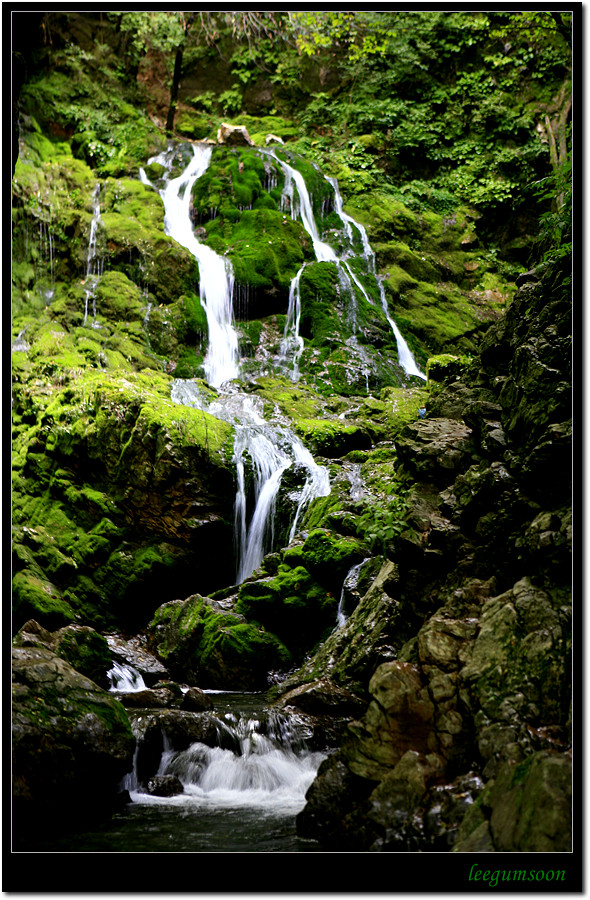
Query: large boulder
[202, 642]
[72, 745]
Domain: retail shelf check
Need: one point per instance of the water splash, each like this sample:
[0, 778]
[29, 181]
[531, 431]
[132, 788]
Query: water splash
[269, 765]
[125, 679]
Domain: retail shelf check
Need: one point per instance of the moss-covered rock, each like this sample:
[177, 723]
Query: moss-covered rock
[203, 642]
[291, 604]
[86, 651]
[95, 504]
[72, 744]
[327, 556]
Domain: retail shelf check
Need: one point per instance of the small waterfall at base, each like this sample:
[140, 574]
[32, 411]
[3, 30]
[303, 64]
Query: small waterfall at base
[125, 679]
[272, 448]
[268, 764]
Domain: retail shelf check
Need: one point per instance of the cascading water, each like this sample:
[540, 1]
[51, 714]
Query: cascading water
[406, 359]
[301, 207]
[216, 274]
[271, 448]
[125, 679]
[94, 262]
[349, 584]
[292, 344]
[268, 764]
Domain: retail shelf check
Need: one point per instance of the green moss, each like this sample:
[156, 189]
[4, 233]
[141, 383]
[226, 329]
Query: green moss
[118, 298]
[259, 126]
[442, 317]
[216, 648]
[292, 605]
[87, 652]
[416, 265]
[331, 437]
[447, 366]
[193, 125]
[383, 215]
[327, 556]
[319, 302]
[37, 598]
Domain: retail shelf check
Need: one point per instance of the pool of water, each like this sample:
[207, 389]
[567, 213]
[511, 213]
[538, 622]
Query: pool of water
[163, 828]
[242, 801]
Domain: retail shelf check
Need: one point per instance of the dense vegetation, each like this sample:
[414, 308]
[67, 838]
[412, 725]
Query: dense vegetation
[449, 135]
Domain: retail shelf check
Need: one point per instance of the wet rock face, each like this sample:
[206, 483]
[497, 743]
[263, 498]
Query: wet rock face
[164, 786]
[436, 449]
[234, 135]
[465, 744]
[531, 803]
[81, 646]
[72, 745]
[133, 652]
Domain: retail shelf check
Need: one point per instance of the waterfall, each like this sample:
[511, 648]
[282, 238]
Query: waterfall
[304, 210]
[94, 264]
[45, 257]
[269, 462]
[353, 473]
[292, 343]
[216, 273]
[406, 359]
[349, 584]
[272, 449]
[20, 345]
[268, 765]
[291, 346]
[125, 679]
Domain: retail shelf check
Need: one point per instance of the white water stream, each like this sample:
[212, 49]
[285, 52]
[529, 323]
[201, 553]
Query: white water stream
[272, 448]
[94, 263]
[216, 274]
[406, 359]
[269, 764]
[300, 206]
[125, 679]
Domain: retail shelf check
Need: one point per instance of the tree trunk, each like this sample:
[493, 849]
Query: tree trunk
[174, 87]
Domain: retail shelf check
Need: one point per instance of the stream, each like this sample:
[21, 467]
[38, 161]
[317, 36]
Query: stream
[240, 800]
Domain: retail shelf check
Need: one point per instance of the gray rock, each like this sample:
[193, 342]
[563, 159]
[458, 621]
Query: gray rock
[72, 743]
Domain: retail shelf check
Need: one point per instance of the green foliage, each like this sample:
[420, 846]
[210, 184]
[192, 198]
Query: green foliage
[381, 524]
[230, 101]
[554, 241]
